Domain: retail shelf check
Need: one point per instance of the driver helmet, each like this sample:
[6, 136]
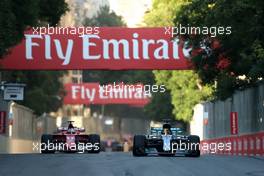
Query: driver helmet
[166, 129]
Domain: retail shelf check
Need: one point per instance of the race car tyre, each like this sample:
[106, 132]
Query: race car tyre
[194, 144]
[94, 139]
[139, 145]
[46, 140]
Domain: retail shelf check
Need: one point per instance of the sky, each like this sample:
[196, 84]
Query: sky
[131, 10]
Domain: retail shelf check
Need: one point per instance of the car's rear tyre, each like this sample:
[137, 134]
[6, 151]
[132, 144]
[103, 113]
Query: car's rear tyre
[46, 140]
[139, 145]
[194, 141]
[94, 139]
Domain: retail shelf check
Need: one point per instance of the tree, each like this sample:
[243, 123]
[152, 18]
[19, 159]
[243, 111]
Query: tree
[240, 54]
[160, 106]
[44, 91]
[50, 11]
[17, 15]
[163, 12]
[186, 91]
[129, 77]
[104, 18]
[184, 86]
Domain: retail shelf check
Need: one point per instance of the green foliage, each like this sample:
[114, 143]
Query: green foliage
[17, 15]
[130, 77]
[50, 11]
[43, 91]
[105, 18]
[160, 106]
[163, 12]
[185, 89]
[183, 85]
[238, 54]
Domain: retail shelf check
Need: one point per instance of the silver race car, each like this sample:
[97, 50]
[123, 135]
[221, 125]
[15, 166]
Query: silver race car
[166, 141]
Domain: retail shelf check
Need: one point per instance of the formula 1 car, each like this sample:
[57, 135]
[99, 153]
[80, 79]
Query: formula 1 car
[166, 141]
[70, 139]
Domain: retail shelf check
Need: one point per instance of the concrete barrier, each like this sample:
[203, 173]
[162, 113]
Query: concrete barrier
[11, 145]
[19, 129]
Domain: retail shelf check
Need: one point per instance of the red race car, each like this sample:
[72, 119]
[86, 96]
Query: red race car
[70, 139]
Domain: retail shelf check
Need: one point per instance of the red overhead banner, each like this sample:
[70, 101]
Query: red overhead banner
[112, 48]
[94, 93]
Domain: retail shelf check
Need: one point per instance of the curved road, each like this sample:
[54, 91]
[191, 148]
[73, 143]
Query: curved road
[124, 164]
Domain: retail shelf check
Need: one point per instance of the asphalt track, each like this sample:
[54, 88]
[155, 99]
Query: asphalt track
[124, 164]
